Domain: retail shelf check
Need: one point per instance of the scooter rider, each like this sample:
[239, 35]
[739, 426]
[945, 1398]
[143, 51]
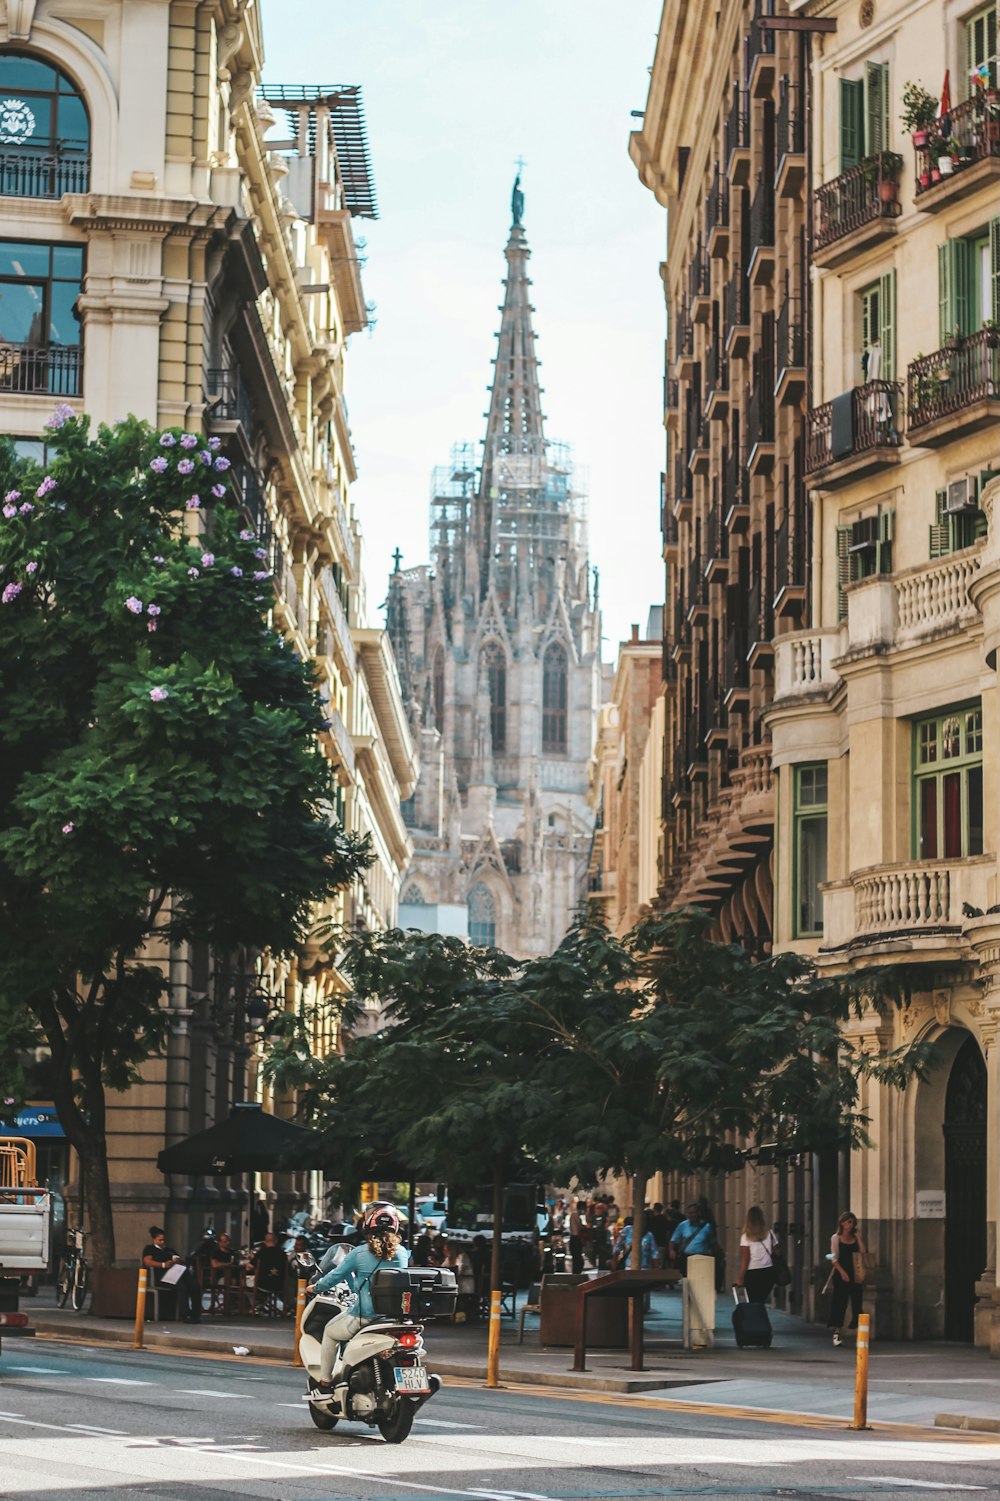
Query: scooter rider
[382, 1248]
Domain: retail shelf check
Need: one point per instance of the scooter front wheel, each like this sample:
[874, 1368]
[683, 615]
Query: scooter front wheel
[395, 1426]
[322, 1418]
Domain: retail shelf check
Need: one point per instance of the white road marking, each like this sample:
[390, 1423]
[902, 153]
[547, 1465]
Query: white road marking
[190, 1391]
[106, 1432]
[38, 1370]
[923, 1485]
[117, 1381]
[448, 1423]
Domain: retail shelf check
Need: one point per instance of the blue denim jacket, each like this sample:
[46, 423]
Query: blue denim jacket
[357, 1269]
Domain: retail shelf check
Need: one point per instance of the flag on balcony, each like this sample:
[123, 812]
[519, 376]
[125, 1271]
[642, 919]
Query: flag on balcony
[944, 108]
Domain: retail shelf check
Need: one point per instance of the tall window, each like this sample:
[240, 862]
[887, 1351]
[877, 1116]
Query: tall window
[493, 663]
[969, 282]
[413, 896]
[877, 309]
[810, 811]
[44, 130]
[482, 917]
[39, 325]
[554, 691]
[437, 690]
[864, 115]
[948, 777]
[981, 47]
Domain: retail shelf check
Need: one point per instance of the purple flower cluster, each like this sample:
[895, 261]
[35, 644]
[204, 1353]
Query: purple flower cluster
[158, 465]
[185, 466]
[189, 441]
[193, 503]
[237, 573]
[67, 828]
[194, 573]
[246, 536]
[218, 491]
[167, 440]
[222, 465]
[10, 511]
[133, 605]
[45, 488]
[153, 610]
[31, 567]
[159, 559]
[259, 577]
[26, 508]
[158, 695]
[60, 417]
[207, 559]
[11, 592]
[215, 444]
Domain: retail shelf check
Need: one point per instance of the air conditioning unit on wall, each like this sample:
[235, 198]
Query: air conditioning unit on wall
[963, 495]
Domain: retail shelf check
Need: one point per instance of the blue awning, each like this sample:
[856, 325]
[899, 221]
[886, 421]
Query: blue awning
[34, 1121]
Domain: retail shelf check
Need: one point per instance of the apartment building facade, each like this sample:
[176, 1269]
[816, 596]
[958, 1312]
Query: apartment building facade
[178, 242]
[884, 724]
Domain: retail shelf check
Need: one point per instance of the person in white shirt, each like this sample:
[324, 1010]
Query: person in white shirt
[757, 1245]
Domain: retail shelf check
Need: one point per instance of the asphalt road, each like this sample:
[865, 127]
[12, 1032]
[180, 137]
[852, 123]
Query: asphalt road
[92, 1424]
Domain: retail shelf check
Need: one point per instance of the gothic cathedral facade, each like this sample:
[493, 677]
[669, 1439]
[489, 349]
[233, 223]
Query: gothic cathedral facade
[498, 641]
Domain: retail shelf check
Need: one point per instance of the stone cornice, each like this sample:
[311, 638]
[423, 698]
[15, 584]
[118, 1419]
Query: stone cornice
[118, 212]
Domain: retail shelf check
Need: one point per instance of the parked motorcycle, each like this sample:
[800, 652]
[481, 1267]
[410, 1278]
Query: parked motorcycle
[379, 1376]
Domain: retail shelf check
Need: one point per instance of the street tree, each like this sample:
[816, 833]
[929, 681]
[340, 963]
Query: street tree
[160, 780]
[671, 1049]
[446, 1085]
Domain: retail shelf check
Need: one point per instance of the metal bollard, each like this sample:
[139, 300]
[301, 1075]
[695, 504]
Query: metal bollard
[493, 1349]
[140, 1308]
[861, 1375]
[300, 1303]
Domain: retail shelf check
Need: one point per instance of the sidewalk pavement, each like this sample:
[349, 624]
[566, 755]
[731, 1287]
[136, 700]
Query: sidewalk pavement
[955, 1386]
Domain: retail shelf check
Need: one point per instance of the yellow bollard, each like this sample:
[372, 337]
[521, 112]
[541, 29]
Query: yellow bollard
[861, 1374]
[493, 1349]
[300, 1303]
[140, 1308]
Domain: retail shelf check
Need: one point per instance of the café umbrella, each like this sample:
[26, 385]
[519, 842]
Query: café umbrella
[250, 1140]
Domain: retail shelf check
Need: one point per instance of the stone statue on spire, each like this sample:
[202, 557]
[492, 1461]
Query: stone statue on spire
[517, 204]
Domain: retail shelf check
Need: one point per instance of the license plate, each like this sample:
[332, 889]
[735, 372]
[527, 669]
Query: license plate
[411, 1378]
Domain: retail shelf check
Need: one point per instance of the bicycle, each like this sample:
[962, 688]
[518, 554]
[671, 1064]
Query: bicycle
[73, 1281]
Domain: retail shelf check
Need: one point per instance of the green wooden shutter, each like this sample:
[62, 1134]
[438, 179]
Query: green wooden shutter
[970, 57]
[883, 548]
[940, 539]
[995, 269]
[852, 116]
[876, 108]
[843, 568]
[946, 307]
[887, 321]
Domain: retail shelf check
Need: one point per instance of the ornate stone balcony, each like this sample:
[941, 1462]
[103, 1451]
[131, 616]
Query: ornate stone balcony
[739, 826]
[933, 600]
[803, 663]
[909, 904]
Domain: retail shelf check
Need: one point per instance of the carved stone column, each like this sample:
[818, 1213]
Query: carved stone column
[983, 934]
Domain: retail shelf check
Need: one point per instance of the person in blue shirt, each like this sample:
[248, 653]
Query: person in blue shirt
[694, 1236]
[382, 1248]
[648, 1256]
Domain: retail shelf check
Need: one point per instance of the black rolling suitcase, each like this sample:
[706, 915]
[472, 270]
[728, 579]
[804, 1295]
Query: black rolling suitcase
[751, 1324]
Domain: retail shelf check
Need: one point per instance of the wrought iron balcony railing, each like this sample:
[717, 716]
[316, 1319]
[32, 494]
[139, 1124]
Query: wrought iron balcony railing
[789, 130]
[737, 133]
[226, 398]
[736, 301]
[789, 338]
[863, 420]
[27, 173]
[950, 380]
[49, 370]
[717, 205]
[861, 195]
[762, 215]
[974, 136]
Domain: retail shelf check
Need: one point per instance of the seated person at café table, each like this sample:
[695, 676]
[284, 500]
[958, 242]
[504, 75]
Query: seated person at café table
[158, 1258]
[270, 1267]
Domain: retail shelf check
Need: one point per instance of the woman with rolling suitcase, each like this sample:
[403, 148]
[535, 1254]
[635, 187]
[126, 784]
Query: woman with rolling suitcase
[756, 1279]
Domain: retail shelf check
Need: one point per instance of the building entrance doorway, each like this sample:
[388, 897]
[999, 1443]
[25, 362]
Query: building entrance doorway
[965, 1189]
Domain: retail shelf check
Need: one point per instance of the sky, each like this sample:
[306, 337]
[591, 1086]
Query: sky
[455, 91]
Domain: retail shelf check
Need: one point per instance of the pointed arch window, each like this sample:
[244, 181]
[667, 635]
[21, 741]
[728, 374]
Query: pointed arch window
[493, 662]
[555, 676]
[437, 690]
[413, 896]
[44, 130]
[482, 916]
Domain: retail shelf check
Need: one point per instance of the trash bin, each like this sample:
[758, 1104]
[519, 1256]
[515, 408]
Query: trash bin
[607, 1318]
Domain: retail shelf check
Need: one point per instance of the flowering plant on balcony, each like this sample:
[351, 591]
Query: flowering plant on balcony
[919, 112]
[882, 171]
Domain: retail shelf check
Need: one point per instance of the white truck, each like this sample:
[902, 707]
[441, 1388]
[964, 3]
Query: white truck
[25, 1229]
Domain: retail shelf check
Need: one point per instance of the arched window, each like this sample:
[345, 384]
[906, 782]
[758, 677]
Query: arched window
[44, 130]
[482, 917]
[554, 688]
[493, 662]
[413, 896]
[437, 690]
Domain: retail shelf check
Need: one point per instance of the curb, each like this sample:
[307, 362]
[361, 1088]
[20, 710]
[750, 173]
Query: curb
[966, 1423]
[282, 1353]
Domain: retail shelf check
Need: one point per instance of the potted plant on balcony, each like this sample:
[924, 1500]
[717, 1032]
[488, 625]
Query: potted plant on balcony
[881, 172]
[945, 152]
[919, 113]
[992, 331]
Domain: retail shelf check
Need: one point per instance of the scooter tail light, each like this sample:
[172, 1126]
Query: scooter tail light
[408, 1341]
[13, 1320]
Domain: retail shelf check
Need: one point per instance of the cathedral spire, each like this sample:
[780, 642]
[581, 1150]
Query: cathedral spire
[514, 421]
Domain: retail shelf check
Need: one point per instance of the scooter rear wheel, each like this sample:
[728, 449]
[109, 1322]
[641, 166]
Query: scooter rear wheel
[395, 1426]
[322, 1418]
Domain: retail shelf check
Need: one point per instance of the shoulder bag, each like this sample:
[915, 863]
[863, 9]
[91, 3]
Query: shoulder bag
[782, 1271]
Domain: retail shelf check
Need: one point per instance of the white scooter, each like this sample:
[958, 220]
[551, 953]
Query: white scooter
[379, 1377]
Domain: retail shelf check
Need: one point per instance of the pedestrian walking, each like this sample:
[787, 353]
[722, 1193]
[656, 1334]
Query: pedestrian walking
[694, 1236]
[648, 1255]
[757, 1247]
[576, 1229]
[846, 1252]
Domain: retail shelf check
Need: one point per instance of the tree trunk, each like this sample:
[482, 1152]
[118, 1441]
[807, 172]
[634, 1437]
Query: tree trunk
[639, 1181]
[97, 1192]
[85, 1132]
[499, 1184]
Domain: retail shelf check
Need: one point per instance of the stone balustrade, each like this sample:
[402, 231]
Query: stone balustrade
[933, 599]
[803, 662]
[903, 897]
[914, 899]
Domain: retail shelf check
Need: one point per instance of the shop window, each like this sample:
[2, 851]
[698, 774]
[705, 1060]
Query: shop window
[948, 785]
[482, 917]
[555, 675]
[40, 351]
[810, 810]
[44, 130]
